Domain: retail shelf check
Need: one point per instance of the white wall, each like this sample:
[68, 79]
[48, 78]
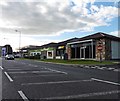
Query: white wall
[59, 57]
[50, 57]
[115, 48]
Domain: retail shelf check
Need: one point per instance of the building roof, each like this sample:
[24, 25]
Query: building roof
[52, 44]
[62, 43]
[100, 35]
[33, 47]
[29, 47]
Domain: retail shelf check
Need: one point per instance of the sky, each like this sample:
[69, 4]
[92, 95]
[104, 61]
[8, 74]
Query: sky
[44, 21]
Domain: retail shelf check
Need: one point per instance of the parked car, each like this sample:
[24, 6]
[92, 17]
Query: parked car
[9, 57]
[17, 56]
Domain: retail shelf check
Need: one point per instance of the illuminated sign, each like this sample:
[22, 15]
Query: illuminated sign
[61, 47]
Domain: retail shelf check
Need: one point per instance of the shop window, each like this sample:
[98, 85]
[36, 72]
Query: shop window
[78, 52]
[34, 54]
[49, 54]
[72, 52]
[57, 53]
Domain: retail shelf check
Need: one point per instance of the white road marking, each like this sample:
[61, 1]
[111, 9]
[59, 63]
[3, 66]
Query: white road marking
[83, 95]
[97, 66]
[32, 65]
[116, 70]
[57, 82]
[30, 72]
[14, 69]
[17, 72]
[111, 68]
[23, 96]
[37, 75]
[11, 80]
[87, 67]
[93, 67]
[114, 83]
[100, 68]
[40, 71]
[104, 67]
[56, 71]
[1, 67]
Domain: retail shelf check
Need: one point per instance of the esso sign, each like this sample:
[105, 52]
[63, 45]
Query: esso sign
[99, 47]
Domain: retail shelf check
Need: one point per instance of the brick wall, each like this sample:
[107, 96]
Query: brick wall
[68, 50]
[102, 51]
[106, 51]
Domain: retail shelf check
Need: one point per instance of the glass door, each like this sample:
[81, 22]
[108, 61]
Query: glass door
[82, 52]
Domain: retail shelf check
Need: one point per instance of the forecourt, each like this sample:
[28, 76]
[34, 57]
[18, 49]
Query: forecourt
[28, 79]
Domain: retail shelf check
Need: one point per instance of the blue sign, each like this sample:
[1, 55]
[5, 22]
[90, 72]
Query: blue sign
[3, 51]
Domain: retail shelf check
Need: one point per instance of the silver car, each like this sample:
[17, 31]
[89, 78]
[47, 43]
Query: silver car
[9, 57]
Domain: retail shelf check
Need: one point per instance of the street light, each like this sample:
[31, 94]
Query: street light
[19, 39]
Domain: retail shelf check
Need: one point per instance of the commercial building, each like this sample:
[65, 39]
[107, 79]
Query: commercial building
[47, 51]
[7, 49]
[95, 46]
[30, 50]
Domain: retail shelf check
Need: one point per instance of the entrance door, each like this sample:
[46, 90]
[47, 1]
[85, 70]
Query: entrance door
[82, 53]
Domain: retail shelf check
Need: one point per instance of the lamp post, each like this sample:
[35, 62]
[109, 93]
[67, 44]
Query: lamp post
[19, 39]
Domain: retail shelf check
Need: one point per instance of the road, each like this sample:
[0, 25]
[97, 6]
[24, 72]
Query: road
[30, 80]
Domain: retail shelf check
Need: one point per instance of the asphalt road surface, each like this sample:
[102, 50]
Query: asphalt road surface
[30, 80]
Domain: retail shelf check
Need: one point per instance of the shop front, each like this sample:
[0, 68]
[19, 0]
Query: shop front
[60, 51]
[82, 50]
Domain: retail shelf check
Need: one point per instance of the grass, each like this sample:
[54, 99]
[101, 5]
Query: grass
[88, 62]
[82, 62]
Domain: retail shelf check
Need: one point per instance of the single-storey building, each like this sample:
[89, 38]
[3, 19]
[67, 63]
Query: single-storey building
[95, 46]
[47, 51]
[29, 50]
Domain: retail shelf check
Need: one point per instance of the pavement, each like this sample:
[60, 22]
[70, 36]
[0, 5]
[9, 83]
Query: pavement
[29, 80]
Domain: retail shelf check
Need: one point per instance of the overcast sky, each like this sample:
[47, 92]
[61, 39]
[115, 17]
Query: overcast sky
[44, 21]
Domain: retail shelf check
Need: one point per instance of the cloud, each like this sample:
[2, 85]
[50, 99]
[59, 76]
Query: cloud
[54, 16]
[115, 33]
[26, 40]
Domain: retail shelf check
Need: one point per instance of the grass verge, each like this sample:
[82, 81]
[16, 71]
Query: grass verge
[82, 62]
[91, 62]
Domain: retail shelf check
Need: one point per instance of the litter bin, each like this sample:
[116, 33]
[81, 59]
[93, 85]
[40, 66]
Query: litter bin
[65, 56]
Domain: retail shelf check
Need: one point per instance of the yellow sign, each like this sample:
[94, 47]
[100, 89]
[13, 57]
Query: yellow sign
[61, 47]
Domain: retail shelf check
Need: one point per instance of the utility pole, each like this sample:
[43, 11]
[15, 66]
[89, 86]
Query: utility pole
[19, 39]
